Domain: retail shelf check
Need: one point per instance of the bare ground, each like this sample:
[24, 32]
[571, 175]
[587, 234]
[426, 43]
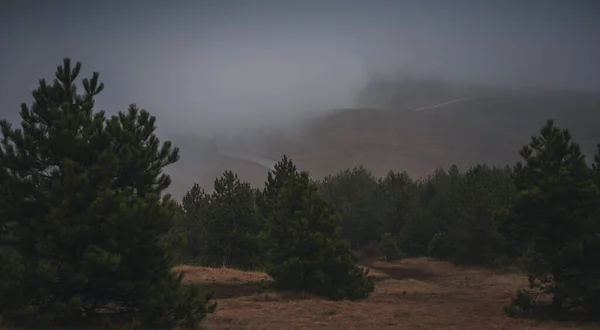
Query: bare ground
[415, 293]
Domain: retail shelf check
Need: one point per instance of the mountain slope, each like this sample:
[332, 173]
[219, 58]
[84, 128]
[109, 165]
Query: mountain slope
[489, 127]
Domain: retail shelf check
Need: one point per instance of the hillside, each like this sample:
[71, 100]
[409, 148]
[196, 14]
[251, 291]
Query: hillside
[489, 127]
[519, 114]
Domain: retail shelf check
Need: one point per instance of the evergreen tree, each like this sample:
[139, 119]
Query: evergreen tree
[388, 246]
[195, 207]
[275, 180]
[89, 211]
[284, 170]
[552, 214]
[437, 197]
[304, 248]
[418, 230]
[7, 209]
[396, 193]
[588, 283]
[232, 225]
[426, 216]
[176, 240]
[473, 232]
[353, 193]
[596, 168]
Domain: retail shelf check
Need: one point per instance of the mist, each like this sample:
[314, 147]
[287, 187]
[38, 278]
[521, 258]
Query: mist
[235, 71]
[209, 67]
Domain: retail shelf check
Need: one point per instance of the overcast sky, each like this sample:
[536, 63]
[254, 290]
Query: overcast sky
[200, 64]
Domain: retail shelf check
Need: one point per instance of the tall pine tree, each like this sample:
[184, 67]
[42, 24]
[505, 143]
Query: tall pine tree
[552, 214]
[396, 194]
[195, 206]
[89, 211]
[353, 193]
[232, 224]
[304, 247]
[473, 232]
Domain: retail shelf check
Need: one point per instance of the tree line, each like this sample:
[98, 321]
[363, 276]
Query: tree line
[87, 232]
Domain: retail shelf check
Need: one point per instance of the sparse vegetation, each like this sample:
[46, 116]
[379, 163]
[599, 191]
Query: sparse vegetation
[87, 234]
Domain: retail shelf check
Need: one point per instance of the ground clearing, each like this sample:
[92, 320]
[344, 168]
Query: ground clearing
[413, 294]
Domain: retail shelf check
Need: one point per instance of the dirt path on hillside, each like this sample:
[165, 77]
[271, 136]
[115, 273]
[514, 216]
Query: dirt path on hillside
[442, 104]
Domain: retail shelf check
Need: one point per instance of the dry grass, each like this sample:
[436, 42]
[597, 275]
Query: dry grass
[224, 275]
[416, 293]
[413, 294]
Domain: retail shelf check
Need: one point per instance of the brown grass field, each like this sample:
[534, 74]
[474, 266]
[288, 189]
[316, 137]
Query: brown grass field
[415, 293]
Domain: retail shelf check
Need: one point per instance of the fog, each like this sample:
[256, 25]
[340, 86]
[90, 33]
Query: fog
[212, 67]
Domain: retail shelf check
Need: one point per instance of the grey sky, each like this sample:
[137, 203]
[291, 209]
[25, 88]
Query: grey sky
[201, 64]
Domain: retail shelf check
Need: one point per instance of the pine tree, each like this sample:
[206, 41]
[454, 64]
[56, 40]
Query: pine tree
[175, 239]
[437, 197]
[422, 220]
[388, 246]
[589, 283]
[353, 193]
[232, 225]
[473, 232]
[275, 180]
[552, 213]
[7, 209]
[89, 211]
[396, 194]
[195, 205]
[284, 170]
[596, 168]
[304, 249]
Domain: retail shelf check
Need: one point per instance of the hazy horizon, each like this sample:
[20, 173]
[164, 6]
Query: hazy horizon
[208, 66]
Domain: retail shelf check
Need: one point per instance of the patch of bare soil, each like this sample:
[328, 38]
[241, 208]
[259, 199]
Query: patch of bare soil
[415, 293]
